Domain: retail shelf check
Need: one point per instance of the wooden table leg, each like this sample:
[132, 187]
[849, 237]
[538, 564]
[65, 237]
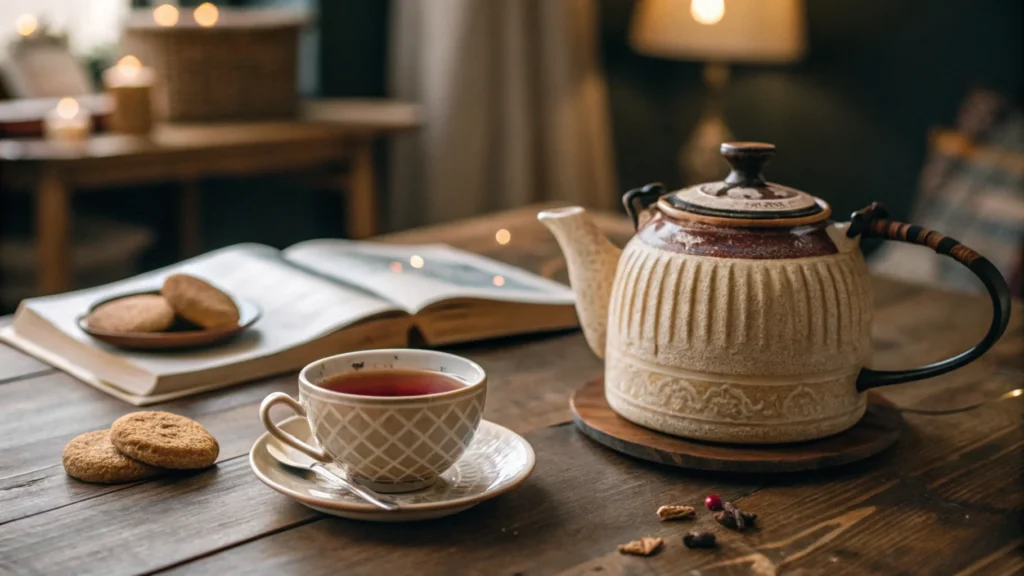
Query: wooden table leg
[190, 230]
[53, 235]
[361, 196]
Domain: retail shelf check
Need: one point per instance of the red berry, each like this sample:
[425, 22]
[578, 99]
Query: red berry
[712, 502]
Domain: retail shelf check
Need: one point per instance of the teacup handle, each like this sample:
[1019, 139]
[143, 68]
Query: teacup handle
[872, 223]
[316, 453]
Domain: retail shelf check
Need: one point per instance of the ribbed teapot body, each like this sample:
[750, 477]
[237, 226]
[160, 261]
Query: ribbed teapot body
[738, 349]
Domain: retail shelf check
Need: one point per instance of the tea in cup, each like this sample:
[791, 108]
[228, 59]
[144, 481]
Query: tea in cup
[393, 420]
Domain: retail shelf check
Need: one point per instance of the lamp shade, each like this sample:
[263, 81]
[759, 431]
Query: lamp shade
[768, 31]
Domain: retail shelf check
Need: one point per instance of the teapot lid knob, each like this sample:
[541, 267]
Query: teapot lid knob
[745, 198]
[748, 160]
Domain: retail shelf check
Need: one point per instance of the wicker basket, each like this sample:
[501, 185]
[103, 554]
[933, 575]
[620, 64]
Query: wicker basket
[244, 67]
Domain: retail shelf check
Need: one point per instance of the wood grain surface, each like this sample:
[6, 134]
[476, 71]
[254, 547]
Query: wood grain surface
[945, 499]
[877, 430]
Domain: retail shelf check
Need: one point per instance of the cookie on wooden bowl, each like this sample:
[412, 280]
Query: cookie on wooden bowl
[140, 313]
[199, 302]
[164, 439]
[92, 457]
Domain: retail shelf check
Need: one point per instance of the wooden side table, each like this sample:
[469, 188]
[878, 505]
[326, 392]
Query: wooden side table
[336, 135]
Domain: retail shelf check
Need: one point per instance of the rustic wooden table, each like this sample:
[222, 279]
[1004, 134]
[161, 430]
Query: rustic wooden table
[334, 135]
[946, 499]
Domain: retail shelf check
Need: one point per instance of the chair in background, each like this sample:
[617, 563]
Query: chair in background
[972, 188]
[42, 66]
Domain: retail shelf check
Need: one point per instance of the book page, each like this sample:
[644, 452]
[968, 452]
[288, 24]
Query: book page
[297, 307]
[414, 277]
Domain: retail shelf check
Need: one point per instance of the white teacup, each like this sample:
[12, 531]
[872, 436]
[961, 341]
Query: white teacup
[387, 443]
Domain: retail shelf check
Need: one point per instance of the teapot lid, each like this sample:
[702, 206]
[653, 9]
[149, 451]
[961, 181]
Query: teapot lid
[745, 198]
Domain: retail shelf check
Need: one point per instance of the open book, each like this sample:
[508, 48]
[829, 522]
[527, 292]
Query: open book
[318, 298]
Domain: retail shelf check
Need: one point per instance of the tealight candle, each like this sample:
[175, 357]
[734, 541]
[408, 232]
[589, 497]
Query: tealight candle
[130, 85]
[68, 122]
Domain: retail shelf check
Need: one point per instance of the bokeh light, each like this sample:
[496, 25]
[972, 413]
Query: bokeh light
[707, 11]
[26, 24]
[206, 14]
[129, 66]
[165, 15]
[67, 108]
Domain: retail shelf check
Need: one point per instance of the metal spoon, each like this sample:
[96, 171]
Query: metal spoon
[306, 463]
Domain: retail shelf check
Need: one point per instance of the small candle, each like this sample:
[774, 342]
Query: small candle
[67, 122]
[130, 85]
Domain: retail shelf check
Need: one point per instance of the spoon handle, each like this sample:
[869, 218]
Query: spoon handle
[354, 488]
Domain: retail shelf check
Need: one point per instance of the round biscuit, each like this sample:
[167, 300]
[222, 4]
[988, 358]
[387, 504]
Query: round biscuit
[164, 439]
[140, 313]
[199, 302]
[91, 457]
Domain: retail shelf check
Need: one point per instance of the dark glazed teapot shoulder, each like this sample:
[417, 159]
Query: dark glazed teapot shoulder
[700, 239]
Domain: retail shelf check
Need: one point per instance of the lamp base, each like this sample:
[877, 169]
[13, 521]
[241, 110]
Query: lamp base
[699, 158]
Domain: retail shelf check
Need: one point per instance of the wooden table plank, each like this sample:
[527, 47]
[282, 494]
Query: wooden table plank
[15, 365]
[932, 325]
[584, 500]
[150, 524]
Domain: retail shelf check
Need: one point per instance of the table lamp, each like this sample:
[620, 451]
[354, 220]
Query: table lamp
[717, 32]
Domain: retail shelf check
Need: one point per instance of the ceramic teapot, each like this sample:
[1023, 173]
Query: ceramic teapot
[739, 312]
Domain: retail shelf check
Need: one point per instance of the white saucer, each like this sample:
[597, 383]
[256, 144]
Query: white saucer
[496, 461]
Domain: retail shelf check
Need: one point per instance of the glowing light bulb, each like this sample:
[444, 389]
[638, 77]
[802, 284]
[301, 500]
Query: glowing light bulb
[396, 267]
[129, 67]
[26, 24]
[206, 14]
[416, 261]
[67, 108]
[707, 11]
[503, 236]
[499, 281]
[165, 15]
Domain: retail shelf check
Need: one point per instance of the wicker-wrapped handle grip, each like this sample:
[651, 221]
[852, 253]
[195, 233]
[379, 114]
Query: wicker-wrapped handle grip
[940, 243]
[871, 222]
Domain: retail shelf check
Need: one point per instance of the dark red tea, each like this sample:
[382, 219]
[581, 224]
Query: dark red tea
[392, 383]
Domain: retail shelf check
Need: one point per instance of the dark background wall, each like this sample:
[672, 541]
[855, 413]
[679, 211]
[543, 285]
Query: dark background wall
[851, 120]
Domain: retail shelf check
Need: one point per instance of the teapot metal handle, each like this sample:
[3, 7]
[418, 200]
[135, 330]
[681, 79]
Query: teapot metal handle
[639, 199]
[871, 222]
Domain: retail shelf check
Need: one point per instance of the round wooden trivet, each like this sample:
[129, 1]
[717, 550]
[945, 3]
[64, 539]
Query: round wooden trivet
[879, 429]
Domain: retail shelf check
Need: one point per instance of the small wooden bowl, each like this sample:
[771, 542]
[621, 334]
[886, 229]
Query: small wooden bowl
[181, 335]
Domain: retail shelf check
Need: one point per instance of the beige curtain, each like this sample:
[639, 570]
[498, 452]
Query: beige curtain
[514, 103]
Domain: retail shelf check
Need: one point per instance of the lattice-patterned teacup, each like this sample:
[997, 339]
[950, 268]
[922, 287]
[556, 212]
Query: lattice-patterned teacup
[387, 443]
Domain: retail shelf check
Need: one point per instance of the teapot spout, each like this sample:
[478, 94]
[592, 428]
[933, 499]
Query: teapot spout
[591, 260]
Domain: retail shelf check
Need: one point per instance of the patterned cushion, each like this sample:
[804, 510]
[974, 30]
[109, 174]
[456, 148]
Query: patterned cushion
[972, 188]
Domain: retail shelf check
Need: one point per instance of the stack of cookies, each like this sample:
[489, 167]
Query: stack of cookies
[138, 446]
[182, 296]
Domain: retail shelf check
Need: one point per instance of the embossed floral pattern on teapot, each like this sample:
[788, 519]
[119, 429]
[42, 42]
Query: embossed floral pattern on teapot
[739, 312]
